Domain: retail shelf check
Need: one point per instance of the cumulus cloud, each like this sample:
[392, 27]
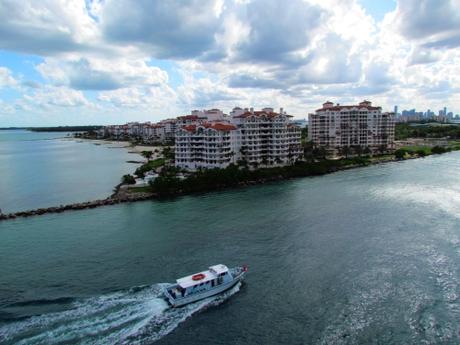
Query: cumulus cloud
[50, 97]
[6, 79]
[278, 31]
[432, 23]
[165, 29]
[226, 52]
[420, 55]
[101, 74]
[45, 27]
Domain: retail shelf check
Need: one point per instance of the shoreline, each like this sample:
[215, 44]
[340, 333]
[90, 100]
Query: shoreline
[117, 144]
[122, 196]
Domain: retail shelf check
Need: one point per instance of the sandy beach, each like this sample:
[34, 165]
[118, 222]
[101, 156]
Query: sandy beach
[123, 145]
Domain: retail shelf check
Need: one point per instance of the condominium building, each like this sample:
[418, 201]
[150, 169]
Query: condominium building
[267, 138]
[257, 138]
[341, 128]
[207, 145]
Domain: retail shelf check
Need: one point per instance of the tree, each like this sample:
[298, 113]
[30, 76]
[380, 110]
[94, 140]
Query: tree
[147, 154]
[345, 151]
[319, 152]
[367, 150]
[438, 150]
[242, 163]
[382, 148]
[168, 153]
[400, 153]
[358, 150]
[421, 152]
[308, 147]
[128, 179]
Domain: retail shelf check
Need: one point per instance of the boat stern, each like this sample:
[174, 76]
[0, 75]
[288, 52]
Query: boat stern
[168, 297]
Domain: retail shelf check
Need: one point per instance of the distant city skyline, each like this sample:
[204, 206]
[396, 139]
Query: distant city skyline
[441, 112]
[81, 63]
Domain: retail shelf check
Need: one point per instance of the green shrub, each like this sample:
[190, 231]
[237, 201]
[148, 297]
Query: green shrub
[128, 179]
[421, 152]
[438, 150]
[400, 153]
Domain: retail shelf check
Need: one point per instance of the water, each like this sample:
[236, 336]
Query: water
[44, 169]
[366, 256]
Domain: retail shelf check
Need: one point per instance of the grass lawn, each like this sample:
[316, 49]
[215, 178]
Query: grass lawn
[146, 189]
[150, 166]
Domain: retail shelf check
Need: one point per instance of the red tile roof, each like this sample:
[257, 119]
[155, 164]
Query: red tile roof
[188, 117]
[256, 113]
[215, 126]
[190, 128]
[340, 107]
[220, 126]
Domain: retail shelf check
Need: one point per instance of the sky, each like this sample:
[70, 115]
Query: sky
[79, 62]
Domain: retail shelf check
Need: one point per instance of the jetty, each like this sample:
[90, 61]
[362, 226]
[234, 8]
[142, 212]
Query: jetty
[116, 198]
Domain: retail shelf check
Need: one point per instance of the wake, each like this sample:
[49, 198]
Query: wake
[135, 316]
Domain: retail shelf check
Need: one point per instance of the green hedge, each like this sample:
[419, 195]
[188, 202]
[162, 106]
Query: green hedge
[212, 179]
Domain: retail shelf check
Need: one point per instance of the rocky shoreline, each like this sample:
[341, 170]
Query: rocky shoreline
[112, 200]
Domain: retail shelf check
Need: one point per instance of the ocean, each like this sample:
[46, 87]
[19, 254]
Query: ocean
[363, 256]
[43, 169]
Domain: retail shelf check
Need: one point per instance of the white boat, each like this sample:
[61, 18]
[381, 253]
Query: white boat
[215, 280]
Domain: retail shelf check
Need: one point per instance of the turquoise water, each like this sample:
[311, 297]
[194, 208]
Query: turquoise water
[45, 169]
[366, 256]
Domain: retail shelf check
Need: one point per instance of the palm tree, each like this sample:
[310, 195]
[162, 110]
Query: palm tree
[367, 150]
[319, 152]
[358, 150]
[345, 151]
[147, 155]
[308, 148]
[264, 161]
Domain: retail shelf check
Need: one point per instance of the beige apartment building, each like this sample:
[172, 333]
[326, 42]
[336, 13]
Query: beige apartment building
[257, 138]
[352, 129]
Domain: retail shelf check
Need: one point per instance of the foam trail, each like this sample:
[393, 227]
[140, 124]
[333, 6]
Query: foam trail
[134, 316]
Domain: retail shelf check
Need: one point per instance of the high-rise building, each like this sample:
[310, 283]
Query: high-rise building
[362, 127]
[259, 138]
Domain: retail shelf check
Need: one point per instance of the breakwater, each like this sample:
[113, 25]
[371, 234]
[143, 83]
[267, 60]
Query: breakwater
[112, 200]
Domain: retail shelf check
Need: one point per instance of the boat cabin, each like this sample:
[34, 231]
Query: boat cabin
[202, 281]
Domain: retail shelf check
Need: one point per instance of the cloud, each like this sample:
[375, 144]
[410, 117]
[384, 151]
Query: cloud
[439, 89]
[278, 31]
[6, 79]
[431, 23]
[221, 53]
[254, 81]
[101, 74]
[46, 27]
[165, 29]
[421, 56]
[51, 97]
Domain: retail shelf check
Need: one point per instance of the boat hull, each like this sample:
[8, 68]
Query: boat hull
[179, 302]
